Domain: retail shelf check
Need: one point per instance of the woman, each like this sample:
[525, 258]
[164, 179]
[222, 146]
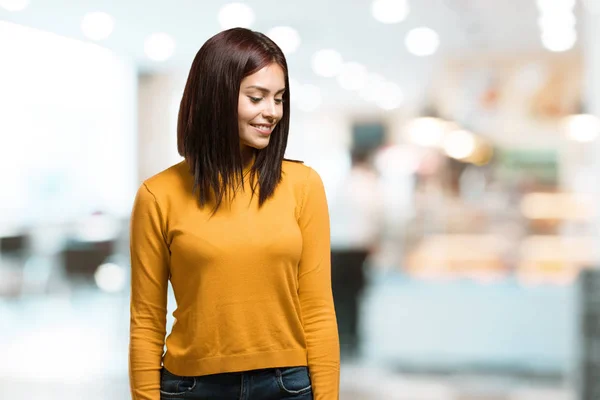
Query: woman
[243, 236]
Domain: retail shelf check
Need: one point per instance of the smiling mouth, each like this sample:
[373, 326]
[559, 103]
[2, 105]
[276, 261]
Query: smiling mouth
[264, 129]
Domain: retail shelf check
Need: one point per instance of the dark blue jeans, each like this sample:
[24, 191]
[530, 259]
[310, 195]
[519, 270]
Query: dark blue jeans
[292, 383]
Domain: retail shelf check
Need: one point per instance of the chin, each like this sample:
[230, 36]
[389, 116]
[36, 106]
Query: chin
[258, 144]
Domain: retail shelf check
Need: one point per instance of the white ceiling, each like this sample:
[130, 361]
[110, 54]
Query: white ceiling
[346, 25]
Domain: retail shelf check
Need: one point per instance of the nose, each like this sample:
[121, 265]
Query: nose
[270, 110]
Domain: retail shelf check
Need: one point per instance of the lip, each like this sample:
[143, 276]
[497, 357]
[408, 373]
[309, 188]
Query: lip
[262, 131]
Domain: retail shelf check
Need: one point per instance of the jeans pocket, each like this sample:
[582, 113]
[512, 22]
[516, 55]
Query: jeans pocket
[175, 385]
[294, 380]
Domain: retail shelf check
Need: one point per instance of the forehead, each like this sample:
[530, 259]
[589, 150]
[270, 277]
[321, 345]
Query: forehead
[270, 77]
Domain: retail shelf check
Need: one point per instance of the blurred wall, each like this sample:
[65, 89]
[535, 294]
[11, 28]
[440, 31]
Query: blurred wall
[158, 98]
[67, 144]
[591, 29]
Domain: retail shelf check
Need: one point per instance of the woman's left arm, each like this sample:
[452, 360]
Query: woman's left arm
[314, 287]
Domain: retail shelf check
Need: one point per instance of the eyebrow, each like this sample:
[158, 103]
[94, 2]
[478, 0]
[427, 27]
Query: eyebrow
[265, 90]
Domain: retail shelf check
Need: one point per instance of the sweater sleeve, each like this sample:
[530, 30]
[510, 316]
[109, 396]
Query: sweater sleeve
[316, 300]
[149, 282]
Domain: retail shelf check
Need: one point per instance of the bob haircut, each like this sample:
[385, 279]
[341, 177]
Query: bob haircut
[207, 125]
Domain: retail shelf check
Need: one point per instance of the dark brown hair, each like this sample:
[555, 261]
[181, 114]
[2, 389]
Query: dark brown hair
[207, 127]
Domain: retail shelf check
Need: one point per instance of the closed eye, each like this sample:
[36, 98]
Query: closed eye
[258, 99]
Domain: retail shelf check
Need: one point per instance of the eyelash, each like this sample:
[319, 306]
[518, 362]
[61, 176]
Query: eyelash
[257, 99]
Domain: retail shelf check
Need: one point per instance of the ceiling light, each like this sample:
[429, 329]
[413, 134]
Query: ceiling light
[459, 144]
[327, 63]
[557, 21]
[558, 40]
[389, 11]
[110, 277]
[159, 46]
[353, 76]
[14, 5]
[287, 38]
[426, 131]
[234, 15]
[422, 41]
[583, 128]
[97, 25]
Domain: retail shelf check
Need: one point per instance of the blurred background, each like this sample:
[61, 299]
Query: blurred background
[457, 139]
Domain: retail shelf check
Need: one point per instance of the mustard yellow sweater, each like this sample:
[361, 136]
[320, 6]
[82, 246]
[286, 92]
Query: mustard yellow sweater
[253, 286]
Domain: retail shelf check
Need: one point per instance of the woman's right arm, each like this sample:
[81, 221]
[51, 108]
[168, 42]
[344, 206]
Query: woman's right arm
[149, 282]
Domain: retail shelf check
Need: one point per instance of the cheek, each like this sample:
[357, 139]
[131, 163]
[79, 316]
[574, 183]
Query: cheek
[246, 112]
[242, 116]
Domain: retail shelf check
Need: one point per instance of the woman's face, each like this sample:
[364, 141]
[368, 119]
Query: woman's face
[260, 105]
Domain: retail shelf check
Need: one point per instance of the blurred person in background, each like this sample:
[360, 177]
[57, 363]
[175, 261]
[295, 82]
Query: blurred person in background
[243, 236]
[356, 228]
